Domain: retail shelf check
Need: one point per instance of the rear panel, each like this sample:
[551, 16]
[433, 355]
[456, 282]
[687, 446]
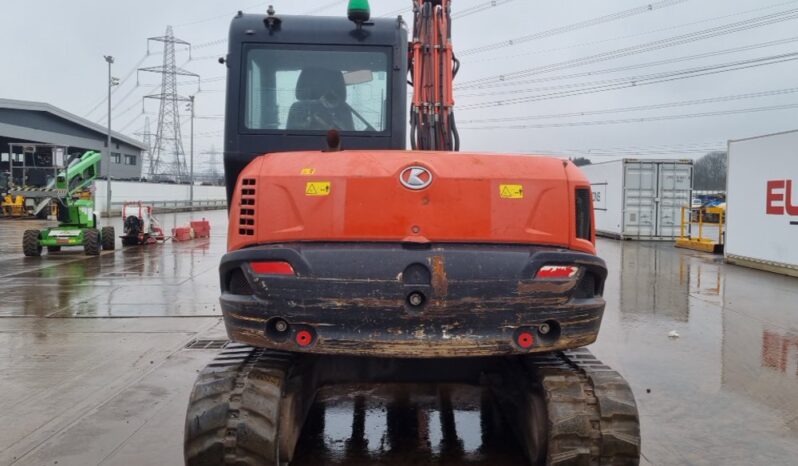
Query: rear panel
[359, 196]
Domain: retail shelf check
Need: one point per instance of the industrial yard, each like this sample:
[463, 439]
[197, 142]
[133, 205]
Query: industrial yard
[97, 370]
[399, 232]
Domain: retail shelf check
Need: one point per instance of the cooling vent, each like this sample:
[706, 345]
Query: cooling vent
[246, 217]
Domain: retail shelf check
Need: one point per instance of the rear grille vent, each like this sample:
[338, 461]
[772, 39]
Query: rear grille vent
[583, 214]
[246, 217]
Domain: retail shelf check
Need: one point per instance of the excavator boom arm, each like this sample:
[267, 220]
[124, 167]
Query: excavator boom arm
[433, 67]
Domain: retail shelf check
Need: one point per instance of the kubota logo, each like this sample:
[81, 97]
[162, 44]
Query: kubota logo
[780, 198]
[415, 177]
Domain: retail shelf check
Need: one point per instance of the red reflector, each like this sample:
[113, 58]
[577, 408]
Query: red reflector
[272, 268]
[304, 338]
[557, 271]
[525, 340]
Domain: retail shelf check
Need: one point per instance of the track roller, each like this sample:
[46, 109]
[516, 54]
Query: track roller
[248, 407]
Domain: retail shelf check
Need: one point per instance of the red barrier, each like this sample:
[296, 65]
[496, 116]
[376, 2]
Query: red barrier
[202, 228]
[182, 234]
[195, 229]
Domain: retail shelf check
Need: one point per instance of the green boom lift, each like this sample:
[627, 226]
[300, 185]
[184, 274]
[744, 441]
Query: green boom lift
[77, 222]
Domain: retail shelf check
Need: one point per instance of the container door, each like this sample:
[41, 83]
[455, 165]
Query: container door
[675, 191]
[640, 192]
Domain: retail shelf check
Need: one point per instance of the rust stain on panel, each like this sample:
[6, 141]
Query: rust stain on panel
[440, 282]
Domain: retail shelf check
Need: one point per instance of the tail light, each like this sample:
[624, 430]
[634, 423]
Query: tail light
[525, 339]
[584, 227]
[304, 338]
[246, 217]
[272, 268]
[557, 271]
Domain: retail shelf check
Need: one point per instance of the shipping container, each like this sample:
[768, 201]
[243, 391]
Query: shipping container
[640, 199]
[762, 203]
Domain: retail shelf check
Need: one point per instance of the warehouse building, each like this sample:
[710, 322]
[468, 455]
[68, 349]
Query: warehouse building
[24, 122]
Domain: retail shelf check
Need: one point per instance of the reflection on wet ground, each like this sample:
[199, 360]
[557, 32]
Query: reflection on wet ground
[95, 371]
[406, 424]
[718, 394]
[157, 280]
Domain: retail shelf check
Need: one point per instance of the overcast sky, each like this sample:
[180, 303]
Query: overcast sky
[53, 52]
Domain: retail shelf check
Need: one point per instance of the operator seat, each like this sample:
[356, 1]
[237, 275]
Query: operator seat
[321, 102]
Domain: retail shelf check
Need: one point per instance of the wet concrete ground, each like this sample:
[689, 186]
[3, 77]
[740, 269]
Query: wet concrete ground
[94, 369]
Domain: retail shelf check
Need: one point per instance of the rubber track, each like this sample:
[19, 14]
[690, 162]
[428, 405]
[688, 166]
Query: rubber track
[234, 409]
[592, 414]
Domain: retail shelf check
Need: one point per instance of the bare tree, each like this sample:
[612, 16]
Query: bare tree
[710, 172]
[581, 161]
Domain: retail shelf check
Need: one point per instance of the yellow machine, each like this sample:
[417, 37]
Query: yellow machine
[710, 222]
[14, 206]
[27, 185]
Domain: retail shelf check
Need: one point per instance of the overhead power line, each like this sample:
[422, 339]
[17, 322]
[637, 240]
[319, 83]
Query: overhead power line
[668, 61]
[326, 6]
[223, 40]
[631, 153]
[628, 36]
[130, 123]
[229, 14]
[116, 114]
[647, 8]
[147, 89]
[635, 151]
[637, 120]
[726, 29]
[457, 14]
[640, 108]
[636, 81]
[122, 81]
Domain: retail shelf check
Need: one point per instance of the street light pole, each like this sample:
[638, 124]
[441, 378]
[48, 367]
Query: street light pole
[110, 60]
[191, 169]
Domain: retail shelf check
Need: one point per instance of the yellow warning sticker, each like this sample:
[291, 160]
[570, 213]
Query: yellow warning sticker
[317, 188]
[511, 191]
[308, 171]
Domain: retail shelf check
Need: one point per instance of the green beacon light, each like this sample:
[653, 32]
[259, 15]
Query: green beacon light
[359, 11]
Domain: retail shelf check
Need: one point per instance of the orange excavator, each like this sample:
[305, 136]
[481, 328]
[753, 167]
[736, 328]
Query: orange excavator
[353, 260]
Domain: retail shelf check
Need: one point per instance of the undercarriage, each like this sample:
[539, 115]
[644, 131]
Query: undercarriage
[566, 408]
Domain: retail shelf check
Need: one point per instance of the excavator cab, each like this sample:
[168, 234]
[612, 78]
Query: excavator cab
[291, 79]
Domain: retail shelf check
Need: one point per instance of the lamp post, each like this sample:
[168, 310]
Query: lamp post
[110, 60]
[191, 151]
